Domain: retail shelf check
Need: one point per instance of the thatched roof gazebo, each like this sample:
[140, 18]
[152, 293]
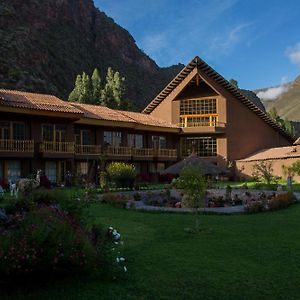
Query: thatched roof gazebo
[206, 166]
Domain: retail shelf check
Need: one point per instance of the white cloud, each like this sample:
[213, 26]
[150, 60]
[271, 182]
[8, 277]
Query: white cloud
[154, 43]
[225, 42]
[293, 54]
[273, 92]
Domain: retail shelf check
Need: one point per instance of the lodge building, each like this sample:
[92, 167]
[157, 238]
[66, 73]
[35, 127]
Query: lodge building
[197, 111]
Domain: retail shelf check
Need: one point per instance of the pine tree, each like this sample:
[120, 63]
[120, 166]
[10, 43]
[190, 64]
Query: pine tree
[107, 96]
[114, 89]
[96, 84]
[75, 94]
[118, 89]
[86, 91]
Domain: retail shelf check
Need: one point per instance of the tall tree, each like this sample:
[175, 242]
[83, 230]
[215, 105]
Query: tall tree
[96, 84]
[114, 89]
[86, 91]
[74, 95]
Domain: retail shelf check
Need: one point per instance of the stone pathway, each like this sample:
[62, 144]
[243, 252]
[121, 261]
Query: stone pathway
[224, 210]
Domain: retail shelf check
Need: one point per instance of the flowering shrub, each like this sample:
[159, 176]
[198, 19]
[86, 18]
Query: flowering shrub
[51, 234]
[278, 201]
[122, 174]
[281, 201]
[256, 206]
[45, 182]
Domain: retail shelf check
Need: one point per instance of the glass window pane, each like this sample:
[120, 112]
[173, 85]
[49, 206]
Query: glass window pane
[13, 170]
[18, 131]
[203, 146]
[48, 132]
[50, 170]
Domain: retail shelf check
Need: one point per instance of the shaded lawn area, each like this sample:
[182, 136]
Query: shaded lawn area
[244, 257]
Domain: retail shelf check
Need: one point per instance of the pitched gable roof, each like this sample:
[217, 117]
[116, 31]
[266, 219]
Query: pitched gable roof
[33, 101]
[200, 64]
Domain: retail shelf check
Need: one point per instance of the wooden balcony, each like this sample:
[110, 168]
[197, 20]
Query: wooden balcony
[57, 149]
[10, 148]
[167, 153]
[119, 152]
[87, 150]
[142, 153]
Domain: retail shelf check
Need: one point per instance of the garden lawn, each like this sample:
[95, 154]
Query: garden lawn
[242, 257]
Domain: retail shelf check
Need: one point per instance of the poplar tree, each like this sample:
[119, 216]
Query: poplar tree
[114, 89]
[74, 95]
[96, 85]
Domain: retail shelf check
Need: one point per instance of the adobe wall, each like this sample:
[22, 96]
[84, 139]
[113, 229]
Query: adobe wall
[245, 169]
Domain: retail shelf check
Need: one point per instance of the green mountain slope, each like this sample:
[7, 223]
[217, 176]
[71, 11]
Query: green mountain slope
[45, 44]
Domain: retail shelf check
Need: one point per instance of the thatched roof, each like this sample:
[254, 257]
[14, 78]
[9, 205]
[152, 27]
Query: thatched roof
[207, 167]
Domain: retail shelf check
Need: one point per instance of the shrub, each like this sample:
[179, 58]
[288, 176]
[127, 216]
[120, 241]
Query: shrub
[255, 206]
[45, 233]
[281, 201]
[122, 174]
[45, 182]
[49, 239]
[119, 200]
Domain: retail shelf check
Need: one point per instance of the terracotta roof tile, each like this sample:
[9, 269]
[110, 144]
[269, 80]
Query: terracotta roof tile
[104, 113]
[274, 153]
[148, 119]
[101, 113]
[18, 99]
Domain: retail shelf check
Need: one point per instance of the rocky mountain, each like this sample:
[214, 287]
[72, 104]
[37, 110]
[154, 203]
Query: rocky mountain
[287, 102]
[44, 44]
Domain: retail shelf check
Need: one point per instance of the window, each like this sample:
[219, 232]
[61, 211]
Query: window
[4, 130]
[50, 170]
[152, 167]
[135, 140]
[13, 170]
[48, 132]
[86, 137]
[198, 107]
[1, 170]
[112, 138]
[82, 168]
[18, 131]
[159, 141]
[160, 166]
[203, 146]
[198, 112]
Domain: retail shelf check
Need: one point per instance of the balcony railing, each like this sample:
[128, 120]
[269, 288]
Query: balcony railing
[16, 146]
[57, 147]
[88, 149]
[202, 124]
[200, 121]
[117, 151]
[143, 152]
[171, 153]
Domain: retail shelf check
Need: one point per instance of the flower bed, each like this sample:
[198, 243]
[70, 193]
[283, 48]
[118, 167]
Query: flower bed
[50, 232]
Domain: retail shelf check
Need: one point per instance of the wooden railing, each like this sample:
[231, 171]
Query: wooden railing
[88, 149]
[57, 147]
[143, 152]
[191, 121]
[16, 146]
[172, 153]
[117, 151]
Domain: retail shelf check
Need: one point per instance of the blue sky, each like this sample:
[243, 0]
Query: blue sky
[257, 42]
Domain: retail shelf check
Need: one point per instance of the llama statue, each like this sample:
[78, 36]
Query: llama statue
[26, 185]
[13, 189]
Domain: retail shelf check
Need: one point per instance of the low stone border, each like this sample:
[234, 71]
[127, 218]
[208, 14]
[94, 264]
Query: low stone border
[139, 205]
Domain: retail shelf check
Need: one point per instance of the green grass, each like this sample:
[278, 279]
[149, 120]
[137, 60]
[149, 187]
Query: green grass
[257, 185]
[243, 257]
